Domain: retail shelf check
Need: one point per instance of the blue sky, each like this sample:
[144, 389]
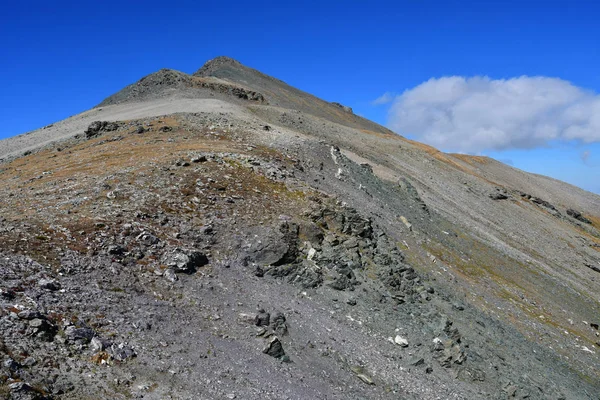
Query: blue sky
[61, 58]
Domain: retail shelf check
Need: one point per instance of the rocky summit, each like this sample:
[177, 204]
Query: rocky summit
[223, 235]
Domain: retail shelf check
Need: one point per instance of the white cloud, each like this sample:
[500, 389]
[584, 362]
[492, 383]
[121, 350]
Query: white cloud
[385, 98]
[478, 113]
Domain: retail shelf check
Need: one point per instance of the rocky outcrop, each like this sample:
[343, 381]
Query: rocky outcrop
[578, 216]
[343, 107]
[98, 127]
[166, 81]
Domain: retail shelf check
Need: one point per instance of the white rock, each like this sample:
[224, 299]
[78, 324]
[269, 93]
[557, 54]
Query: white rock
[399, 340]
[405, 222]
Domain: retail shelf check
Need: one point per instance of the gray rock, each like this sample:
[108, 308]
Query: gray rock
[49, 284]
[416, 361]
[274, 348]
[343, 107]
[11, 364]
[263, 318]
[147, 239]
[98, 127]
[186, 261]
[498, 196]
[30, 362]
[198, 158]
[98, 344]
[20, 387]
[40, 324]
[121, 352]
[83, 335]
[170, 275]
[30, 314]
[116, 250]
[578, 216]
[362, 374]
[278, 324]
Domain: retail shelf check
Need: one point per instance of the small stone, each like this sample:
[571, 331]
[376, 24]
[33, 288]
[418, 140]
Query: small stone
[260, 332]
[17, 387]
[362, 374]
[79, 334]
[98, 344]
[121, 352]
[11, 364]
[39, 324]
[263, 318]
[29, 361]
[170, 275]
[274, 348]
[49, 284]
[285, 358]
[200, 158]
[147, 239]
[245, 318]
[402, 342]
[416, 361]
[498, 196]
[279, 325]
[115, 250]
[30, 314]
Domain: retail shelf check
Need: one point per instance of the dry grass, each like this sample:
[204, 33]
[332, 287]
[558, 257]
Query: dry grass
[455, 160]
[595, 220]
[471, 160]
[141, 165]
[381, 135]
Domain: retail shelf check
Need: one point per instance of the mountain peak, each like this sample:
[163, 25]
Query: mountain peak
[216, 63]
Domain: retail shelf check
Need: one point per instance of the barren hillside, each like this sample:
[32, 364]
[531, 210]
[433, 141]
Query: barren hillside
[224, 235]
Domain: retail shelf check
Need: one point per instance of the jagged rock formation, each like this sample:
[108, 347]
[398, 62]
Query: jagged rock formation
[224, 235]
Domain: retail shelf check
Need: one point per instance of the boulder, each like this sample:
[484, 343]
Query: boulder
[274, 348]
[186, 261]
[97, 127]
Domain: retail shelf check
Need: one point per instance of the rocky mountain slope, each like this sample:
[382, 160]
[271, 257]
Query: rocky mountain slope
[224, 235]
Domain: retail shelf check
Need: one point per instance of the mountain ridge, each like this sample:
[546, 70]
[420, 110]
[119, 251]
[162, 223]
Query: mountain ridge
[201, 203]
